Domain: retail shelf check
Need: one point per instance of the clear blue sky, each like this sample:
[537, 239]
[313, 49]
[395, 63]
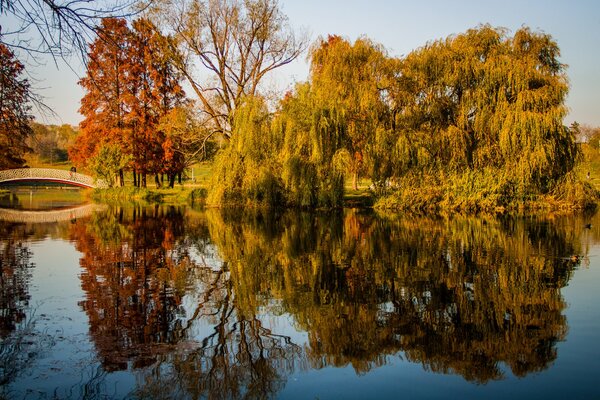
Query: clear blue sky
[403, 26]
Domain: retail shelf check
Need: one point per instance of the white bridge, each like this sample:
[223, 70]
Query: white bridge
[50, 175]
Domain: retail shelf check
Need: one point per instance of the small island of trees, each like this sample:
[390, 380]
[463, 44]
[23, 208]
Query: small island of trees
[473, 122]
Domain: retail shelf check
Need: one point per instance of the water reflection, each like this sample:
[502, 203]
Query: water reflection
[456, 296]
[225, 305]
[134, 280]
[15, 272]
[40, 198]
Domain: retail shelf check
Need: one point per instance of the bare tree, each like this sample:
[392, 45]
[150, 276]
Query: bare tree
[57, 27]
[236, 43]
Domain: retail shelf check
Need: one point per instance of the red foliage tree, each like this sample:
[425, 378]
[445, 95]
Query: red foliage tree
[130, 85]
[153, 90]
[14, 111]
[103, 105]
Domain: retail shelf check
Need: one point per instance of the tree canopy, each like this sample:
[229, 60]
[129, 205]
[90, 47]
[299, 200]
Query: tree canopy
[130, 85]
[471, 121]
[15, 110]
[474, 120]
[235, 43]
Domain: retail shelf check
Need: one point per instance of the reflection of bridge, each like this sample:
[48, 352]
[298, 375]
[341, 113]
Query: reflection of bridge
[49, 175]
[65, 214]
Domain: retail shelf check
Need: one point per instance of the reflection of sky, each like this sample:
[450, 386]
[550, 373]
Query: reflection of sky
[55, 291]
[583, 316]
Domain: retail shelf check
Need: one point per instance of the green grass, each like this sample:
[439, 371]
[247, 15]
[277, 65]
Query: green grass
[361, 197]
[35, 161]
[591, 164]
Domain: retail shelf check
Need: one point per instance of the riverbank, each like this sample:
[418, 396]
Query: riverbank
[480, 192]
[466, 194]
[179, 195]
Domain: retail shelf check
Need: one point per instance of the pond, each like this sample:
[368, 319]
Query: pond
[173, 302]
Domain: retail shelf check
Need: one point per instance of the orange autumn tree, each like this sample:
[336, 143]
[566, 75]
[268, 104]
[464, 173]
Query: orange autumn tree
[15, 110]
[153, 90]
[103, 105]
[129, 87]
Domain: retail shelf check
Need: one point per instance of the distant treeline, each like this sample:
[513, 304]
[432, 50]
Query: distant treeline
[50, 143]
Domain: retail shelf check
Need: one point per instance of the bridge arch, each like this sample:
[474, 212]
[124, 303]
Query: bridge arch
[48, 216]
[49, 175]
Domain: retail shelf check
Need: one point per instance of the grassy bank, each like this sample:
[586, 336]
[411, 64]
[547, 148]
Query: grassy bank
[476, 192]
[177, 195]
[472, 193]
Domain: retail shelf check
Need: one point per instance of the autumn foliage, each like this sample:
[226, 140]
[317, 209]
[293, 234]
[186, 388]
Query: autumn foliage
[129, 86]
[14, 110]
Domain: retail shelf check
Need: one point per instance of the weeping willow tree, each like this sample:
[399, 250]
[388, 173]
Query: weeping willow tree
[328, 124]
[480, 115]
[247, 170]
[295, 158]
[474, 121]
[350, 81]
[312, 155]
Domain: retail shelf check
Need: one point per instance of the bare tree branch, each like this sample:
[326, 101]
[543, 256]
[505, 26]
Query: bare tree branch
[237, 42]
[60, 28]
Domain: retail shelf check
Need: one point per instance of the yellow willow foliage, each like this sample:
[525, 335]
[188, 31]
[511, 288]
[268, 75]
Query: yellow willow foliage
[247, 171]
[349, 83]
[312, 137]
[483, 99]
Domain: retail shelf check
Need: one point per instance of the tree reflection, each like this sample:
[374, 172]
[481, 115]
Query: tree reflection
[461, 295]
[19, 344]
[196, 300]
[15, 272]
[134, 281]
[138, 270]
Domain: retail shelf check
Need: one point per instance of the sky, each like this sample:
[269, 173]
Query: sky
[402, 26]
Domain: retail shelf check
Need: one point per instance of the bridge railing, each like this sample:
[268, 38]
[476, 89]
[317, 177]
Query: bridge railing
[50, 174]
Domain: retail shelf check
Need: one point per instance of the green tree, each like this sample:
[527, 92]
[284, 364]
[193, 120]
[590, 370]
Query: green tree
[247, 170]
[107, 163]
[483, 109]
[312, 155]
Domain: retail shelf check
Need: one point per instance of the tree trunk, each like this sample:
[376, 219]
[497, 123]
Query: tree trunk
[157, 180]
[121, 177]
[172, 181]
[144, 180]
[355, 181]
[135, 180]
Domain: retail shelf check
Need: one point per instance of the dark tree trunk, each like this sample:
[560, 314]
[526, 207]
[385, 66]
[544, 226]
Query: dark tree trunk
[121, 177]
[171, 180]
[135, 180]
[179, 178]
[144, 180]
[157, 180]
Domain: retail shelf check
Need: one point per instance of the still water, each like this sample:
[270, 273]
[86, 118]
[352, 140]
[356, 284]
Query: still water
[172, 302]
